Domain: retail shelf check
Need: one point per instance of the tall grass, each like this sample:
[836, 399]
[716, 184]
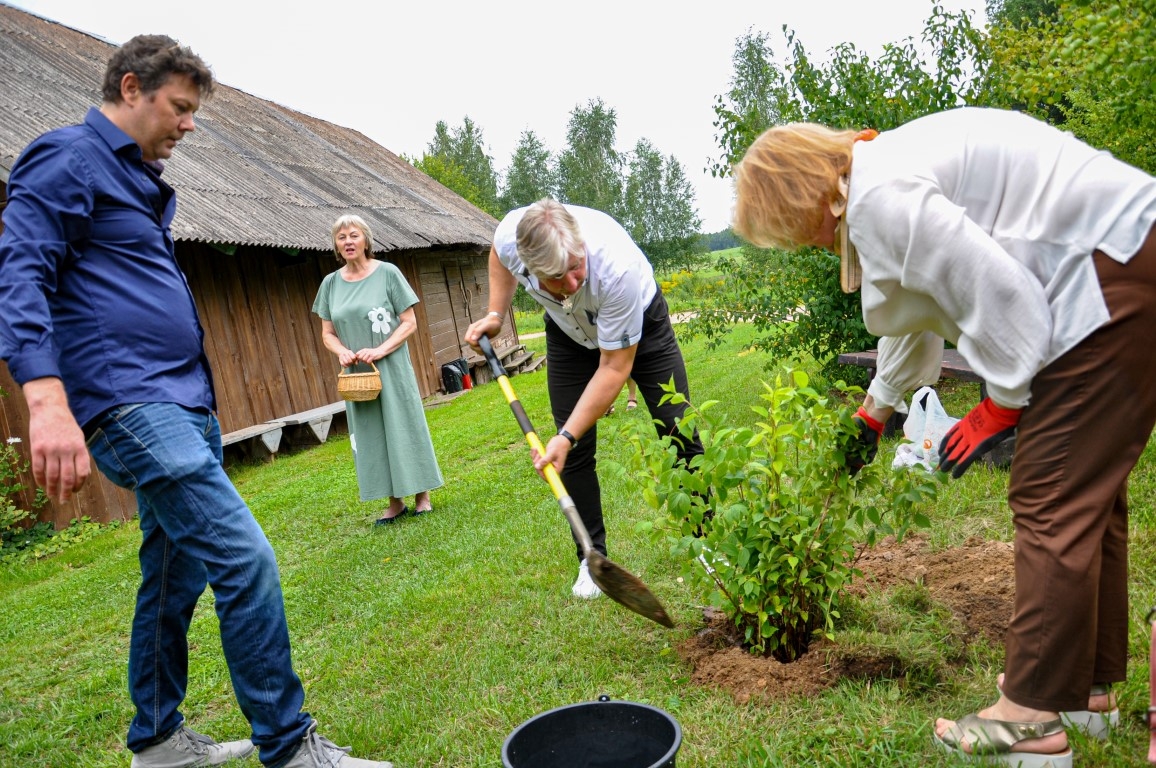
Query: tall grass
[429, 641]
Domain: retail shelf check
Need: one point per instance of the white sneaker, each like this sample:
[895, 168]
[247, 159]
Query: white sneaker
[188, 749]
[319, 752]
[584, 586]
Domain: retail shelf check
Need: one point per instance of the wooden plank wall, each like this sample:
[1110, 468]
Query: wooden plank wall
[421, 352]
[99, 499]
[261, 337]
[443, 329]
[456, 286]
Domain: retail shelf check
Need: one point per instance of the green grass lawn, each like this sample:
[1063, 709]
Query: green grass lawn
[428, 642]
[530, 322]
[729, 253]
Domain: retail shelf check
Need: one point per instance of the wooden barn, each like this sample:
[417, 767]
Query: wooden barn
[258, 187]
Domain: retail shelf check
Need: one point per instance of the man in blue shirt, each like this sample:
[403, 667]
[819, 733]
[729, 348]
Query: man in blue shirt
[100, 330]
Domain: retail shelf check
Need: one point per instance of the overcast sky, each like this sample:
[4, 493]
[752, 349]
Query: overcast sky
[391, 70]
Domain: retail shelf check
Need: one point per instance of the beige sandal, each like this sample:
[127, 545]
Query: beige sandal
[631, 404]
[1097, 724]
[993, 741]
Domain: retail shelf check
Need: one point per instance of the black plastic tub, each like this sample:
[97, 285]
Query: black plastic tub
[595, 734]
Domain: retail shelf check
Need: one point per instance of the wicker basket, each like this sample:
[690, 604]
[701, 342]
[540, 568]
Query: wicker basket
[359, 387]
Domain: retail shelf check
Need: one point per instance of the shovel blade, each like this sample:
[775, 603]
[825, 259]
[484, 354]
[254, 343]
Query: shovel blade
[625, 588]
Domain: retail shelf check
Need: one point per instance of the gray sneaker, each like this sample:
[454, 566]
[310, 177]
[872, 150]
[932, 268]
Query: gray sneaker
[319, 752]
[188, 749]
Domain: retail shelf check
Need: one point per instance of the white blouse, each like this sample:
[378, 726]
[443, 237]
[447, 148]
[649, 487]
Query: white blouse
[978, 225]
[607, 311]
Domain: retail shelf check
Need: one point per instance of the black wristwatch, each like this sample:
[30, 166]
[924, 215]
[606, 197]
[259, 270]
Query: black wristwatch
[573, 440]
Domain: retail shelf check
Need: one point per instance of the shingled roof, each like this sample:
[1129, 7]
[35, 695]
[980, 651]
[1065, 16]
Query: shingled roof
[253, 172]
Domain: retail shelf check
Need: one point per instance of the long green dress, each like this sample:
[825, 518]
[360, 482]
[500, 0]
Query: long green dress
[392, 449]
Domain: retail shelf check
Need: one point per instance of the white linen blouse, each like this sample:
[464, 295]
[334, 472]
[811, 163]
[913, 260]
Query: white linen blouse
[607, 311]
[978, 226]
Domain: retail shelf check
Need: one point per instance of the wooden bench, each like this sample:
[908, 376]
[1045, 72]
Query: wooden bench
[515, 364]
[260, 441]
[309, 427]
[534, 364]
[515, 358]
[954, 367]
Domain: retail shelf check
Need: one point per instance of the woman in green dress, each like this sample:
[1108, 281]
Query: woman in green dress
[366, 311]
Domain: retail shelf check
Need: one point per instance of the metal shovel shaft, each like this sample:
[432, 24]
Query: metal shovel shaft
[615, 581]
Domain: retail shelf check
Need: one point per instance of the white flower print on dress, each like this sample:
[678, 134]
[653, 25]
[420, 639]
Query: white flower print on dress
[379, 316]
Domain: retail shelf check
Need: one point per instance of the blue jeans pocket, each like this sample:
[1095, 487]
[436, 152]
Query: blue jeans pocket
[103, 452]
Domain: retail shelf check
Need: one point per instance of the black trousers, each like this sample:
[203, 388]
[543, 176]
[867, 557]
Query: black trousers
[570, 368]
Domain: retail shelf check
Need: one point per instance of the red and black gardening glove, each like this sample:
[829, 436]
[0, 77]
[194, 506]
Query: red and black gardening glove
[863, 446]
[983, 428]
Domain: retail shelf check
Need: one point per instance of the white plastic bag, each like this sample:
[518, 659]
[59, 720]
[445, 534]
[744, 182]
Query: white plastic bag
[924, 428]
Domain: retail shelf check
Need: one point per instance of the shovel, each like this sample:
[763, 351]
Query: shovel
[618, 583]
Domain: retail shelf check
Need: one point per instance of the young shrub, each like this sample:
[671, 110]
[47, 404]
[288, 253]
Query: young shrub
[21, 537]
[768, 518]
[14, 519]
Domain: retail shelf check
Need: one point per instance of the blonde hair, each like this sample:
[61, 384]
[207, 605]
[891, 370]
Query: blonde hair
[785, 181]
[352, 220]
[547, 235]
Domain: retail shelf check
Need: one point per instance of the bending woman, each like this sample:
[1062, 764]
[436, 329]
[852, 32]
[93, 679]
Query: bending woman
[1035, 255]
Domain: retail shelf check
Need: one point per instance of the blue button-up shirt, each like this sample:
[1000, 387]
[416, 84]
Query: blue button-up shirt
[90, 289]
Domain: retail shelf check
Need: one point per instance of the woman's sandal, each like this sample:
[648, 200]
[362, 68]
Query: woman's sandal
[1096, 724]
[391, 520]
[631, 404]
[993, 742]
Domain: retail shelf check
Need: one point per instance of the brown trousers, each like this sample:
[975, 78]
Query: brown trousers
[1091, 414]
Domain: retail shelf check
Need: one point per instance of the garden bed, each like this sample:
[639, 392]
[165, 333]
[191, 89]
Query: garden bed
[975, 581]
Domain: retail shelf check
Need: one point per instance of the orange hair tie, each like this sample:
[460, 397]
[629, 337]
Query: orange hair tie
[866, 134]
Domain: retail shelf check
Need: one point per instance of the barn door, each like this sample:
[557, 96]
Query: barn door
[463, 298]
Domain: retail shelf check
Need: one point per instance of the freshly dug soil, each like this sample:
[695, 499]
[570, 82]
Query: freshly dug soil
[976, 581]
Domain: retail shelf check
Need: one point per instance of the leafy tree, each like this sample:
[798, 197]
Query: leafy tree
[641, 208]
[853, 89]
[1019, 39]
[449, 174]
[1020, 13]
[1088, 66]
[758, 91]
[658, 209]
[719, 241]
[590, 168]
[465, 167]
[802, 310]
[680, 219]
[530, 176]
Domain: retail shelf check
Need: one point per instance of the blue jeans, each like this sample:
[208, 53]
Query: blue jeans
[196, 530]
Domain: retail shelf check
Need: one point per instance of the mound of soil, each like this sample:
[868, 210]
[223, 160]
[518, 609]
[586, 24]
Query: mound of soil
[976, 581]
